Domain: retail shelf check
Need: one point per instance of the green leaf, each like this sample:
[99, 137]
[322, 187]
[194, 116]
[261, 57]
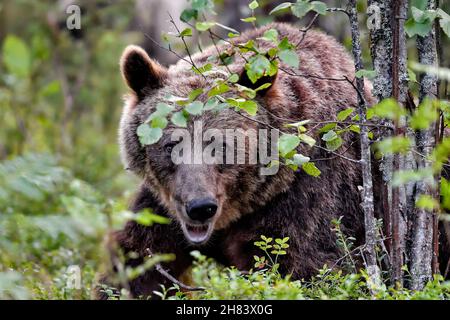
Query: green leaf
[311, 169]
[440, 72]
[171, 98]
[234, 78]
[327, 127]
[388, 108]
[199, 70]
[263, 86]
[307, 139]
[413, 27]
[249, 19]
[162, 110]
[270, 35]
[148, 218]
[283, 6]
[188, 14]
[219, 89]
[398, 144]
[159, 122]
[195, 108]
[287, 143]
[301, 8]
[148, 135]
[402, 177]
[420, 4]
[330, 135]
[253, 5]
[16, 56]
[186, 33]
[423, 15]
[444, 21]
[363, 73]
[411, 75]
[333, 141]
[427, 202]
[290, 57]
[204, 26]
[249, 106]
[195, 93]
[50, 89]
[425, 114]
[299, 159]
[258, 66]
[445, 193]
[211, 104]
[201, 4]
[285, 44]
[334, 144]
[179, 119]
[319, 7]
[355, 128]
[344, 114]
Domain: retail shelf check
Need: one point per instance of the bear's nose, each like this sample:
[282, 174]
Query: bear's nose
[201, 209]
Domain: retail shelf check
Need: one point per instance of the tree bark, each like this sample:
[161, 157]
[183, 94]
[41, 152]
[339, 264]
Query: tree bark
[422, 225]
[373, 270]
[388, 51]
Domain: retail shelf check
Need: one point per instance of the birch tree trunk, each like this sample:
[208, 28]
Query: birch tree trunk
[367, 192]
[422, 224]
[388, 51]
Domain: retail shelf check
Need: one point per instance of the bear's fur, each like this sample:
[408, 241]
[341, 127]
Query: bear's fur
[288, 204]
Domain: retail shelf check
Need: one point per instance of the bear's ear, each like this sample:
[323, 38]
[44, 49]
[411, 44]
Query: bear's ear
[244, 80]
[140, 71]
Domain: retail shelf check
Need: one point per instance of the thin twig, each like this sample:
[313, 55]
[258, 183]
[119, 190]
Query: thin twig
[306, 29]
[185, 45]
[167, 275]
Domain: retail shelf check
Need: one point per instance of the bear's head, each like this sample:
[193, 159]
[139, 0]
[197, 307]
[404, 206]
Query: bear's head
[202, 195]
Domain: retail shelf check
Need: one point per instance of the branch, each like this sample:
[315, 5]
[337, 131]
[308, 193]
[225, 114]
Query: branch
[168, 276]
[185, 45]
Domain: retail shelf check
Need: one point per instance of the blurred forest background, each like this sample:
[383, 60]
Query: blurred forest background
[62, 184]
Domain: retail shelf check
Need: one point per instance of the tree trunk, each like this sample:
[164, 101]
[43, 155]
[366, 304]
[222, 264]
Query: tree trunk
[422, 225]
[367, 192]
[388, 51]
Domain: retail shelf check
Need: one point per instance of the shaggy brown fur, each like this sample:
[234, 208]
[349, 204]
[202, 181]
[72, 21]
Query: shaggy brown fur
[288, 204]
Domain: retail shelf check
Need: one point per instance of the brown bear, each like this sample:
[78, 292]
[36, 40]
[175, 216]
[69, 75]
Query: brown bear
[221, 209]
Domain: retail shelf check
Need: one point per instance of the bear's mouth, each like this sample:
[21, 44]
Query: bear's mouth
[197, 233]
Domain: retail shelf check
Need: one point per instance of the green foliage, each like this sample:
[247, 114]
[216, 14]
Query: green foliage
[302, 7]
[49, 221]
[311, 169]
[287, 143]
[398, 144]
[16, 56]
[425, 114]
[148, 135]
[389, 109]
[422, 21]
[265, 282]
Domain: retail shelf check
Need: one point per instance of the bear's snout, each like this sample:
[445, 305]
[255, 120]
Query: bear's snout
[201, 209]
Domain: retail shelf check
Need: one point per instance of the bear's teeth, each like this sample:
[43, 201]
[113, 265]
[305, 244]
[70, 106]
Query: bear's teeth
[197, 233]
